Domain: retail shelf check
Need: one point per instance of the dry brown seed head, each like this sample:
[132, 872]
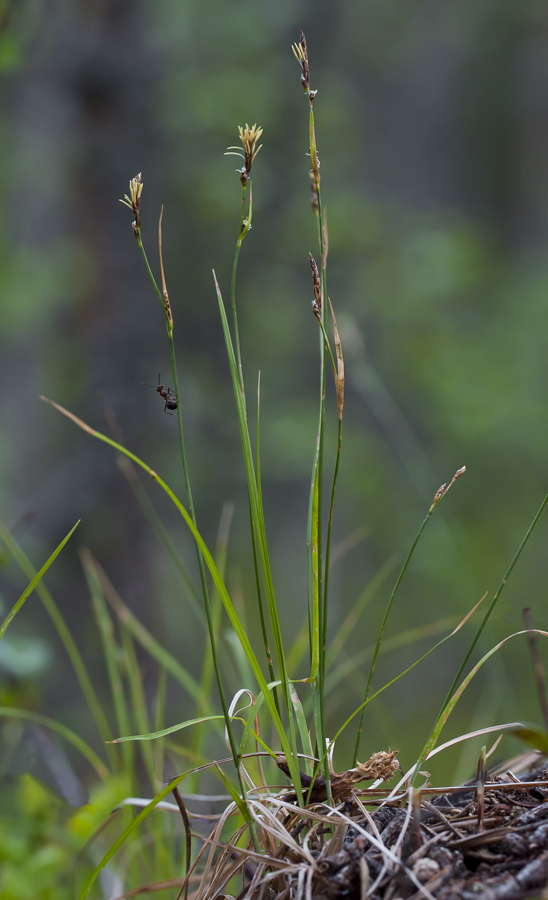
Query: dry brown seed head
[381, 765]
[317, 301]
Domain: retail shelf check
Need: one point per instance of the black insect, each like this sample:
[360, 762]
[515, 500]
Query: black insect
[168, 395]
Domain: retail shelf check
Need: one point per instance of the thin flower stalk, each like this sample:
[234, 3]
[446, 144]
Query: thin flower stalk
[133, 201]
[268, 654]
[249, 138]
[258, 527]
[427, 747]
[248, 152]
[338, 373]
[315, 562]
[441, 492]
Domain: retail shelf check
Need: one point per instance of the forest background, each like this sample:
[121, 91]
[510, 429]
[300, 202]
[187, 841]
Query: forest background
[432, 124]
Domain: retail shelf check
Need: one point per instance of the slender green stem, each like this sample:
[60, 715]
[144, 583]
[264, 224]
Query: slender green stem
[112, 660]
[138, 701]
[328, 538]
[68, 642]
[159, 716]
[12, 712]
[245, 225]
[244, 228]
[206, 678]
[255, 561]
[164, 537]
[477, 635]
[203, 578]
[211, 629]
[317, 467]
[152, 278]
[258, 525]
[383, 625]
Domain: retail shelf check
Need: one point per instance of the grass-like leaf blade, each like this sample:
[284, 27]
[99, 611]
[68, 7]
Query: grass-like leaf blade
[37, 578]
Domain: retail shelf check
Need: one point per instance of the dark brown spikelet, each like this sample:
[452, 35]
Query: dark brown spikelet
[317, 301]
[301, 55]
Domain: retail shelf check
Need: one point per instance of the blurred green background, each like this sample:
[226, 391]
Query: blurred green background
[432, 126]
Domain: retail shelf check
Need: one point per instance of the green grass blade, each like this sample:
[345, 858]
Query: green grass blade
[242, 233]
[164, 300]
[254, 545]
[171, 730]
[484, 621]
[201, 564]
[403, 639]
[235, 797]
[143, 636]
[533, 737]
[437, 497]
[303, 728]
[315, 625]
[404, 672]
[204, 705]
[164, 538]
[432, 740]
[241, 664]
[352, 619]
[66, 638]
[218, 581]
[127, 832]
[300, 645]
[159, 716]
[112, 659]
[253, 713]
[328, 543]
[69, 735]
[138, 702]
[257, 524]
[29, 589]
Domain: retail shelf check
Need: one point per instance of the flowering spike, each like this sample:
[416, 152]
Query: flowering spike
[300, 53]
[441, 491]
[134, 201]
[317, 301]
[249, 137]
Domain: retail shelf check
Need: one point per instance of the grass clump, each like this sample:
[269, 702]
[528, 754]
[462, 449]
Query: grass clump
[263, 837]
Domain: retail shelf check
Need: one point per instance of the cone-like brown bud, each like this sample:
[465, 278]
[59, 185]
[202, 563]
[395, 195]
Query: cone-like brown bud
[441, 491]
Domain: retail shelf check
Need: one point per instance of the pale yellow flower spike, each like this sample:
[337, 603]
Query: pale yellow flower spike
[134, 200]
[249, 137]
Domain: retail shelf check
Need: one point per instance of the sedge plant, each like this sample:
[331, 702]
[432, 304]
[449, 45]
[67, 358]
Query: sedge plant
[281, 719]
